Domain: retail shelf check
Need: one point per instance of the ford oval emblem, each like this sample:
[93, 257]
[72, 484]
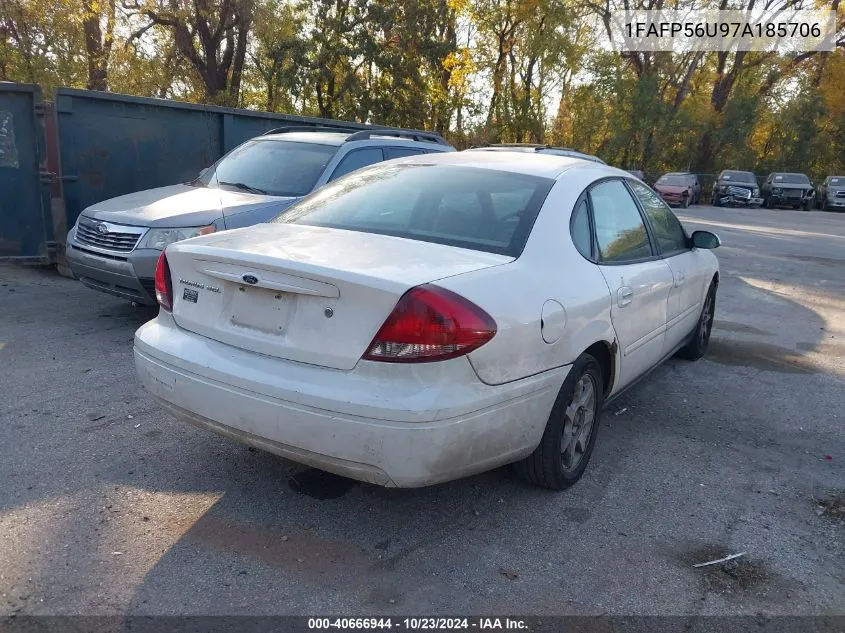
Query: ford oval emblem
[250, 279]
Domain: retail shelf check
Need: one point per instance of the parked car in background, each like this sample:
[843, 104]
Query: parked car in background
[676, 189]
[409, 324]
[787, 189]
[736, 189]
[693, 179]
[831, 193]
[537, 149]
[115, 244]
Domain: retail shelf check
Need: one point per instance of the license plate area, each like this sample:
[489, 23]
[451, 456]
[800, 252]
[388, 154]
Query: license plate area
[261, 309]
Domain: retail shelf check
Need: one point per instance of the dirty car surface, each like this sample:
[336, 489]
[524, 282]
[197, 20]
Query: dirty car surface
[404, 326]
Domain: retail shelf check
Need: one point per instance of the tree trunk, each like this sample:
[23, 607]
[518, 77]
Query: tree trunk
[97, 44]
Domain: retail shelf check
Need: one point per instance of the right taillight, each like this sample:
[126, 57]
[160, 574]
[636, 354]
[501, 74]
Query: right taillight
[164, 285]
[428, 324]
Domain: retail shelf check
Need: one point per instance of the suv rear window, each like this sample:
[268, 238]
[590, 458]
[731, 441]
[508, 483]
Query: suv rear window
[277, 168]
[481, 209]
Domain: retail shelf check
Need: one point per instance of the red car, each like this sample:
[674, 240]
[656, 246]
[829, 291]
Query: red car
[675, 189]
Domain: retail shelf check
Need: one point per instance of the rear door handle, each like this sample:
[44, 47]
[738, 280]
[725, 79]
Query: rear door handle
[624, 296]
[679, 279]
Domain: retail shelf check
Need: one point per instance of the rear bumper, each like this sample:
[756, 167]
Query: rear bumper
[398, 426]
[129, 278]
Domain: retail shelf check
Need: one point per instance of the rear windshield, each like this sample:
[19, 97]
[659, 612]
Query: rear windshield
[673, 181]
[795, 179]
[481, 209]
[268, 166]
[739, 176]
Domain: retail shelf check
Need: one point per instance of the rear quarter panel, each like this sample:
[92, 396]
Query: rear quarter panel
[550, 268]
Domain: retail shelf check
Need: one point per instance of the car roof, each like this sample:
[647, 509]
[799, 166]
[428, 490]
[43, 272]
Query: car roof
[538, 149]
[532, 164]
[787, 173]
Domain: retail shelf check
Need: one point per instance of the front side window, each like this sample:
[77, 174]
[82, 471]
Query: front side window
[356, 159]
[667, 229]
[620, 232]
[468, 207]
[269, 166]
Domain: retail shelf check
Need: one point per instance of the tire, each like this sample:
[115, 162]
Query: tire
[685, 203]
[697, 346]
[767, 203]
[546, 467]
[715, 201]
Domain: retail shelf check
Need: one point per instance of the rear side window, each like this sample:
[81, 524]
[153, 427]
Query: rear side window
[620, 232]
[481, 209]
[667, 229]
[356, 159]
[400, 152]
[579, 226]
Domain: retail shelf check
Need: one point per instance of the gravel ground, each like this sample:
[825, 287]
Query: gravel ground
[108, 506]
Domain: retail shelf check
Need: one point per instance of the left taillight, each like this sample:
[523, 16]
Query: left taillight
[430, 324]
[164, 285]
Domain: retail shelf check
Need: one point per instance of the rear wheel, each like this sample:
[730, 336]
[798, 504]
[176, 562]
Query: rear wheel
[563, 453]
[697, 346]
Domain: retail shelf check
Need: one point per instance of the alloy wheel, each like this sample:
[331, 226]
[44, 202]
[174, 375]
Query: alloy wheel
[578, 423]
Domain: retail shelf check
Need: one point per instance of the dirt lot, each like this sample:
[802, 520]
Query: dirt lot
[107, 506]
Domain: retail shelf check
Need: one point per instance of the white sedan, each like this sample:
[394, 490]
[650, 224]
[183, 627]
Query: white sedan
[432, 317]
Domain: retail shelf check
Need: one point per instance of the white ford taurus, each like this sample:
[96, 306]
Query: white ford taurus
[432, 317]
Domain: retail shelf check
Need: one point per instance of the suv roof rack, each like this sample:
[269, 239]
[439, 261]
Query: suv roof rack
[538, 146]
[311, 128]
[534, 145]
[414, 135]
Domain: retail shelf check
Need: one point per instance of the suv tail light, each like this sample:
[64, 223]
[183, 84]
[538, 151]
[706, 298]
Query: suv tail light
[164, 285]
[429, 324]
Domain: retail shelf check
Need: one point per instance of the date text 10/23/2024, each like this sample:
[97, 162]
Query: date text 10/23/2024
[418, 624]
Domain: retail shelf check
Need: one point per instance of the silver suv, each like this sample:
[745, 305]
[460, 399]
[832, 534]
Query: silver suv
[115, 244]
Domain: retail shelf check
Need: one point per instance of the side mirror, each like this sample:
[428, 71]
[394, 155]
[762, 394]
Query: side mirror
[705, 239]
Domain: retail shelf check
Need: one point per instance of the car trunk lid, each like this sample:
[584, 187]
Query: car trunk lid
[308, 294]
